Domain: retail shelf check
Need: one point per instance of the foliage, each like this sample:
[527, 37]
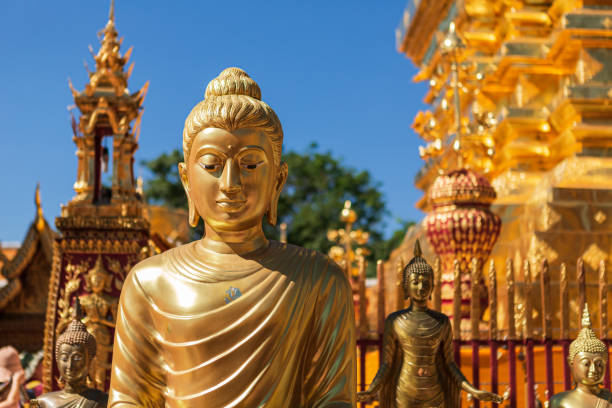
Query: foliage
[165, 187]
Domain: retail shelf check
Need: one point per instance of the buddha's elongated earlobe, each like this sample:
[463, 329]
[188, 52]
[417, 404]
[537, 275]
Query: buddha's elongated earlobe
[194, 217]
[282, 178]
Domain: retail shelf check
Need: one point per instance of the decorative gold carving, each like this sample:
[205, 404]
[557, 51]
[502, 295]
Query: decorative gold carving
[539, 251]
[100, 316]
[549, 218]
[101, 223]
[600, 217]
[97, 246]
[593, 255]
[73, 273]
[587, 67]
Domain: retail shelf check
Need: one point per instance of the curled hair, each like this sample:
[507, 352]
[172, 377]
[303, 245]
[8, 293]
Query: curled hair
[76, 334]
[233, 101]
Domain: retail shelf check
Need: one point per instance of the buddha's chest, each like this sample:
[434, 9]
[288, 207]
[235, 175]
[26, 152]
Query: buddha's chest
[419, 331]
[233, 309]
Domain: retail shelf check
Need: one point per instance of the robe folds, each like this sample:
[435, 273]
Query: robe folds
[278, 332]
[90, 398]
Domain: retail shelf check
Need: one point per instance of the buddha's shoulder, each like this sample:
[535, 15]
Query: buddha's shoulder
[151, 272]
[605, 394]
[310, 263]
[59, 398]
[558, 400]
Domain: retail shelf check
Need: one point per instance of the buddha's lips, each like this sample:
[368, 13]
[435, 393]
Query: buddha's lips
[231, 204]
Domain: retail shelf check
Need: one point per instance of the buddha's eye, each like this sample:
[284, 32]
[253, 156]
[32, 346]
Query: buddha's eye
[251, 161]
[210, 162]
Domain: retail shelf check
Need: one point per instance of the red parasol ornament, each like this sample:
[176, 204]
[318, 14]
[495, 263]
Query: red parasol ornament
[461, 226]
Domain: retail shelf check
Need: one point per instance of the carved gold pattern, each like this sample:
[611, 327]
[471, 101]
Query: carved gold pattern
[100, 315]
[539, 251]
[549, 218]
[73, 274]
[600, 217]
[593, 255]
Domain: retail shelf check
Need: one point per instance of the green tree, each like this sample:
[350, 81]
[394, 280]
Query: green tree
[317, 186]
[165, 186]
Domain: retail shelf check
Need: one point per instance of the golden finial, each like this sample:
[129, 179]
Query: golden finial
[40, 221]
[77, 311]
[586, 317]
[111, 13]
[417, 249]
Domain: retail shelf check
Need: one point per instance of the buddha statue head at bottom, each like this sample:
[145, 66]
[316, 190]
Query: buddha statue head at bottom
[74, 350]
[232, 173]
[588, 357]
[587, 354]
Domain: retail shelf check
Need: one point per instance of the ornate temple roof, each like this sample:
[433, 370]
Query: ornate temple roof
[39, 232]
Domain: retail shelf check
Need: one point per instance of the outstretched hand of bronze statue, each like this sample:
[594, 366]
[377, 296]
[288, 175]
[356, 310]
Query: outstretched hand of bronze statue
[366, 397]
[486, 396]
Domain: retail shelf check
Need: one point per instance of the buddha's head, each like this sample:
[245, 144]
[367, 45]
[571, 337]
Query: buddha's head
[418, 277]
[97, 277]
[587, 354]
[232, 143]
[74, 350]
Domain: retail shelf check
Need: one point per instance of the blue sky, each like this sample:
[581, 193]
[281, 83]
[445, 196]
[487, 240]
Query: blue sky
[329, 69]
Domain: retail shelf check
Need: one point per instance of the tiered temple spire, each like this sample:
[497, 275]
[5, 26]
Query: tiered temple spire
[103, 229]
[107, 111]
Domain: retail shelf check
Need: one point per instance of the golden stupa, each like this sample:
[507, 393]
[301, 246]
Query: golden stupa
[535, 86]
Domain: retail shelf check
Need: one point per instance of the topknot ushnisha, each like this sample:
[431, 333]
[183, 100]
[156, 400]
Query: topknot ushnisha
[233, 81]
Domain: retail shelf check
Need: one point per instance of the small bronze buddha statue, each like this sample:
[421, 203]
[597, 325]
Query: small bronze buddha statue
[418, 369]
[233, 319]
[587, 358]
[74, 351]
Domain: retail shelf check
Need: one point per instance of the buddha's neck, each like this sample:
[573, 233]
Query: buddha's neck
[75, 388]
[233, 242]
[417, 306]
[588, 389]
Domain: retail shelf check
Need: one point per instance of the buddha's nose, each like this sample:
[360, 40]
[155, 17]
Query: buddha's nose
[230, 178]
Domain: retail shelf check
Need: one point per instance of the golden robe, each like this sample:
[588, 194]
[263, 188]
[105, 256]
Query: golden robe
[276, 333]
[417, 351]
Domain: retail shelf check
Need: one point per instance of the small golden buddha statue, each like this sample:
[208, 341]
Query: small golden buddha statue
[74, 351]
[418, 368]
[100, 315]
[587, 358]
[234, 320]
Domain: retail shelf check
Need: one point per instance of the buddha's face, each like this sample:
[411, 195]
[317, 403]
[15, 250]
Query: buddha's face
[97, 280]
[420, 287]
[231, 177]
[588, 368]
[72, 363]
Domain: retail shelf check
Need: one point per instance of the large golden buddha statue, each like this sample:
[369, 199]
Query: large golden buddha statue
[587, 358]
[234, 320]
[418, 369]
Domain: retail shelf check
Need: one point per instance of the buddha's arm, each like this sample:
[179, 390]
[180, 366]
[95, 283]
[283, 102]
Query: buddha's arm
[330, 380]
[447, 345]
[136, 376]
[389, 354]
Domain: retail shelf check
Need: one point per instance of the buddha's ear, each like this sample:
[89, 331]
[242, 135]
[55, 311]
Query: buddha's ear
[194, 217]
[281, 178]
